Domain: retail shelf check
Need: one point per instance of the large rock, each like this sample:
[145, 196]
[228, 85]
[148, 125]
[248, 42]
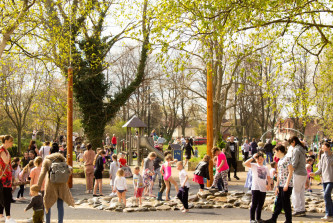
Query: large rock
[147, 205]
[128, 210]
[107, 199]
[193, 198]
[220, 199]
[207, 206]
[231, 200]
[204, 194]
[163, 208]
[79, 202]
[152, 209]
[140, 209]
[227, 206]
[210, 197]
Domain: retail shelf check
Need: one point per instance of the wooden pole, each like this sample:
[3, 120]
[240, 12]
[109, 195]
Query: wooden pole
[210, 134]
[70, 122]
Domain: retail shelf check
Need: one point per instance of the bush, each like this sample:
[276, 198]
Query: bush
[13, 151]
[221, 143]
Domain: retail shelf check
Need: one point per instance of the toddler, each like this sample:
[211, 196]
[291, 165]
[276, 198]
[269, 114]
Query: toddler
[37, 205]
[184, 186]
[273, 173]
[120, 186]
[308, 166]
[138, 185]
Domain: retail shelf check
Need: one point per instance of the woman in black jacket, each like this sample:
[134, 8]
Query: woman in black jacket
[201, 172]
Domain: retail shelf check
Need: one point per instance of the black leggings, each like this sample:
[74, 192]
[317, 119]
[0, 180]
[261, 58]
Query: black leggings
[202, 186]
[7, 197]
[21, 191]
[258, 200]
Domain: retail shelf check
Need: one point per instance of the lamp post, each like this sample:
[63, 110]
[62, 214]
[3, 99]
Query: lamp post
[210, 134]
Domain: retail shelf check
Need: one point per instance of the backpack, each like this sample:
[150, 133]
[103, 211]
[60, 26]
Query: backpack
[59, 172]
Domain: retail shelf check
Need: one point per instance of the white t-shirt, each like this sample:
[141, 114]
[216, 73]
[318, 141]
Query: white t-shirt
[271, 172]
[46, 151]
[259, 177]
[120, 183]
[182, 177]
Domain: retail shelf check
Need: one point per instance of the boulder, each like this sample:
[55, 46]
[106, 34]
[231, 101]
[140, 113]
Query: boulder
[140, 209]
[204, 194]
[193, 198]
[107, 199]
[79, 202]
[129, 210]
[210, 197]
[207, 206]
[147, 205]
[152, 209]
[164, 207]
[227, 206]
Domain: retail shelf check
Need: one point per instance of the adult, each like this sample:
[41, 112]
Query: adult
[231, 152]
[254, 147]
[183, 141]
[88, 159]
[161, 140]
[107, 140]
[188, 151]
[191, 141]
[25, 160]
[32, 155]
[45, 150]
[6, 178]
[325, 169]
[114, 142]
[268, 149]
[54, 192]
[246, 149]
[300, 174]
[33, 147]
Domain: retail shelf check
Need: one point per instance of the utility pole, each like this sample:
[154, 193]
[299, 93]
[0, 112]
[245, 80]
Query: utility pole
[70, 123]
[210, 134]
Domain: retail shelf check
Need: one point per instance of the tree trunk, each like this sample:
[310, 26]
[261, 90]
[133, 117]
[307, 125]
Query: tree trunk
[57, 128]
[19, 140]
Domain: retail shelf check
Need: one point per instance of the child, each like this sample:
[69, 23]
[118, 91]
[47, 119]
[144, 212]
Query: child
[260, 176]
[201, 172]
[284, 186]
[80, 157]
[113, 172]
[120, 186]
[24, 177]
[163, 186]
[35, 172]
[138, 185]
[167, 175]
[98, 173]
[272, 173]
[184, 186]
[123, 165]
[15, 176]
[148, 173]
[196, 152]
[222, 168]
[308, 166]
[37, 205]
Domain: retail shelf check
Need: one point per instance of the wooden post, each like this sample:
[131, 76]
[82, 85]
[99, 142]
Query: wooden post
[70, 123]
[210, 134]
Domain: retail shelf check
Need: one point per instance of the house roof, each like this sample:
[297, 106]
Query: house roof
[135, 122]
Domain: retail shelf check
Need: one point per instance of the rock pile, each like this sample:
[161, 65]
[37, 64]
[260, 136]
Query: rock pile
[203, 200]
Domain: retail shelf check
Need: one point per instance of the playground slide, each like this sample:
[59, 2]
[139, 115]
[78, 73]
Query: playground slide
[144, 143]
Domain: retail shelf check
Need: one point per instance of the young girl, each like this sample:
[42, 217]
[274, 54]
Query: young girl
[148, 173]
[272, 173]
[185, 186]
[222, 169]
[308, 166]
[167, 175]
[16, 171]
[35, 172]
[201, 172]
[284, 186]
[23, 177]
[260, 176]
[98, 173]
[113, 172]
[120, 186]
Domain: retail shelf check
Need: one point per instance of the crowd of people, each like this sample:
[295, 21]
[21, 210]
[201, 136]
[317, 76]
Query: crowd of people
[290, 174]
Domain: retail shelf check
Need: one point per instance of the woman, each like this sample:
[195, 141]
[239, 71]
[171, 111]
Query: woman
[284, 186]
[32, 147]
[54, 192]
[88, 159]
[98, 173]
[6, 177]
[326, 171]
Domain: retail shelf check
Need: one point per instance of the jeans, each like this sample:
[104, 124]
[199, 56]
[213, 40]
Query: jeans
[328, 199]
[270, 156]
[60, 206]
[157, 173]
[298, 197]
[283, 202]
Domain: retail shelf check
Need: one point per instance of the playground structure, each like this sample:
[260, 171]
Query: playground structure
[137, 142]
[275, 130]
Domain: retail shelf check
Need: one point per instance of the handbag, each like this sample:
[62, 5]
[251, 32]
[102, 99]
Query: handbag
[2, 202]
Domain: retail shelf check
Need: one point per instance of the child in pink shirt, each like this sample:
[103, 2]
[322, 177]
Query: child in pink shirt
[35, 172]
[222, 168]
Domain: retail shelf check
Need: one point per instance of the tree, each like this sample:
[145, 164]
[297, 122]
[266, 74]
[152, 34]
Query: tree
[19, 86]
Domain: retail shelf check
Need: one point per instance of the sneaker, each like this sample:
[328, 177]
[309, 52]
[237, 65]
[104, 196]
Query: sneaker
[237, 178]
[299, 214]
[10, 220]
[327, 218]
[253, 221]
[303, 213]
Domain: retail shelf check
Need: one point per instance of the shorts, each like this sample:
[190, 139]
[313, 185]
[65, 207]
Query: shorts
[120, 191]
[139, 192]
[188, 156]
[98, 175]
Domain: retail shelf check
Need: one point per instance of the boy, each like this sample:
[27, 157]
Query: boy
[185, 186]
[138, 185]
[37, 204]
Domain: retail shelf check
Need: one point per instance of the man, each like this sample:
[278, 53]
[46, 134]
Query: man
[107, 140]
[254, 147]
[188, 151]
[161, 140]
[231, 151]
[268, 148]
